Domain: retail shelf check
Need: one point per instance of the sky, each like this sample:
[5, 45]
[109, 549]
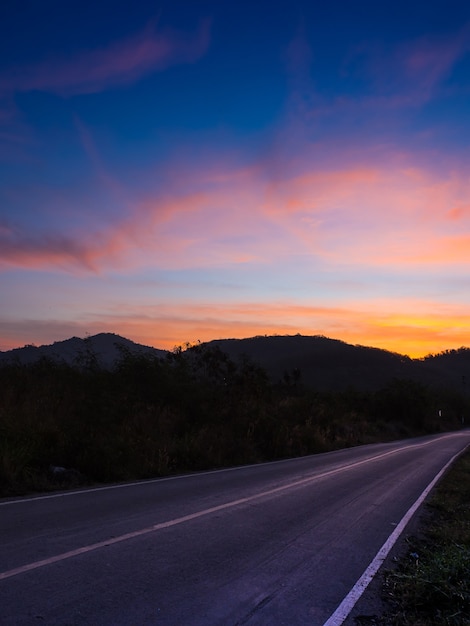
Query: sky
[181, 171]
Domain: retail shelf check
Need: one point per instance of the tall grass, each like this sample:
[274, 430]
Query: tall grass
[195, 409]
[431, 585]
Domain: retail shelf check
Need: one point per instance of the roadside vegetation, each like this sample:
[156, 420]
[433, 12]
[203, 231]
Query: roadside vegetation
[431, 585]
[194, 410]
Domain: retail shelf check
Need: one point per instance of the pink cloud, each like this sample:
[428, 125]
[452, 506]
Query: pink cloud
[39, 252]
[84, 251]
[5, 230]
[121, 63]
[459, 213]
[382, 216]
[385, 215]
[138, 239]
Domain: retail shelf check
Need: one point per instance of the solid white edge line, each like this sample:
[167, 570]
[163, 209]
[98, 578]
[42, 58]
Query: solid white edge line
[347, 605]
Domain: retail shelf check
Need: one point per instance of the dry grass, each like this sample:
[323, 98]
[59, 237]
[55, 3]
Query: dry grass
[431, 586]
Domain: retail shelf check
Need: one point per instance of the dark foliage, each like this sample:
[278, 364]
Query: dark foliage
[192, 409]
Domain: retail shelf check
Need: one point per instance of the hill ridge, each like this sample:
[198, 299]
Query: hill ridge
[319, 361]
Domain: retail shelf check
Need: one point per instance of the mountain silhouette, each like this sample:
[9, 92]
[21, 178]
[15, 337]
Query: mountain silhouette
[325, 363]
[316, 361]
[105, 347]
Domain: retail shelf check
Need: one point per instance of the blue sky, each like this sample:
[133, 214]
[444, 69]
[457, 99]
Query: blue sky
[182, 171]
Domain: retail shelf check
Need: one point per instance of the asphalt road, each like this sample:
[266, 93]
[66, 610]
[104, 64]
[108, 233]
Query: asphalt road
[272, 544]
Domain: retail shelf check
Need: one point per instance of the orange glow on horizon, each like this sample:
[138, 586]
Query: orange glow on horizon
[415, 335]
[412, 341]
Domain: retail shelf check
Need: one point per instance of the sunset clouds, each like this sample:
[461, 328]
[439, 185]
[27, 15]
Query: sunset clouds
[196, 176]
[164, 326]
[389, 216]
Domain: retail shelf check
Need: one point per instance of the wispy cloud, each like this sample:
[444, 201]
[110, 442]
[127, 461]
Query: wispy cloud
[421, 66]
[459, 213]
[412, 72]
[114, 188]
[383, 215]
[396, 81]
[14, 137]
[121, 63]
[51, 250]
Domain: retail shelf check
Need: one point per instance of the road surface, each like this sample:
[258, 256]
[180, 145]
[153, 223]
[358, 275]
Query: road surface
[271, 544]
